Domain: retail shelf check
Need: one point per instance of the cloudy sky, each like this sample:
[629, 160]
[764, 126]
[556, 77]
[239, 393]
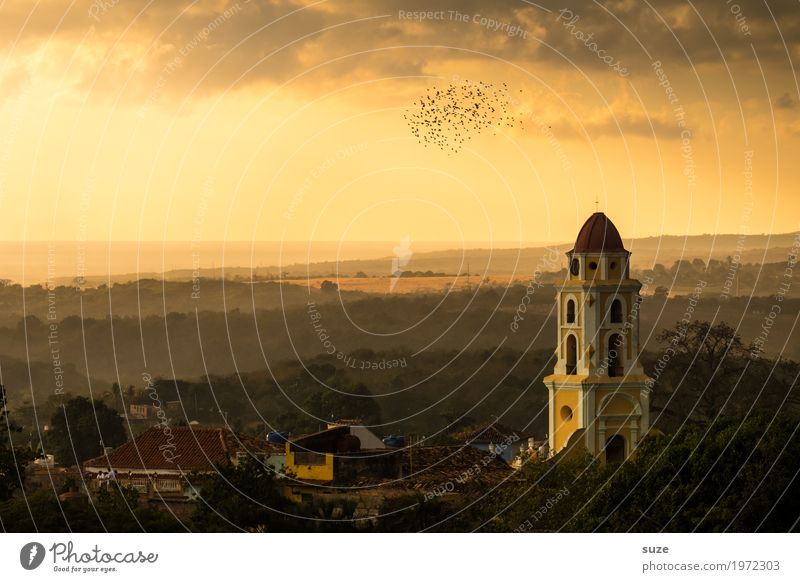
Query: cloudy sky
[280, 120]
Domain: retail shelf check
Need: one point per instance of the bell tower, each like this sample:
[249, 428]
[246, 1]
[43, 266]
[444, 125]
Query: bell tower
[597, 392]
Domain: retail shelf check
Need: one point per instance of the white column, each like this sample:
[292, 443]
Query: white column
[551, 421]
[644, 400]
[634, 427]
[590, 418]
[601, 435]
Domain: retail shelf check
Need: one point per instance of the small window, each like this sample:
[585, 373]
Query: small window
[616, 311]
[572, 355]
[575, 267]
[616, 345]
[593, 266]
[613, 265]
[566, 413]
[570, 311]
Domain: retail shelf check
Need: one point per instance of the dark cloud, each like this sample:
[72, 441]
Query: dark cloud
[700, 32]
[339, 41]
[786, 101]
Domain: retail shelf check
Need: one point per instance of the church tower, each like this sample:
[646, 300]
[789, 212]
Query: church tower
[597, 392]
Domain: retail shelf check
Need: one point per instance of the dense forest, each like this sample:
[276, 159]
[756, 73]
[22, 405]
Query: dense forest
[722, 454]
[275, 355]
[445, 390]
[732, 475]
[247, 331]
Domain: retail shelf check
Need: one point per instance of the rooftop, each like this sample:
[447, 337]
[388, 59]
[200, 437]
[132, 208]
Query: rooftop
[598, 234]
[423, 468]
[184, 448]
[491, 432]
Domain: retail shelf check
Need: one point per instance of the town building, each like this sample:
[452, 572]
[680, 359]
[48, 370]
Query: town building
[597, 393]
[45, 474]
[348, 465]
[160, 462]
[498, 439]
[325, 455]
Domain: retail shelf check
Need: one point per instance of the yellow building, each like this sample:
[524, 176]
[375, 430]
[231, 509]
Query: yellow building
[320, 459]
[597, 392]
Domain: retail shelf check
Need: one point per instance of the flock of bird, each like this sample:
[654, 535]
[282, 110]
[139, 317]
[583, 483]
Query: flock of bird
[449, 117]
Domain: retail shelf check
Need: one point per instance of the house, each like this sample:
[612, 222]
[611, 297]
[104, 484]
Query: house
[159, 461]
[45, 474]
[346, 472]
[320, 456]
[140, 418]
[141, 411]
[498, 439]
[363, 480]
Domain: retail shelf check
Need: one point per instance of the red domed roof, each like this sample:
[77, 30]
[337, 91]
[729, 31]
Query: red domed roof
[598, 234]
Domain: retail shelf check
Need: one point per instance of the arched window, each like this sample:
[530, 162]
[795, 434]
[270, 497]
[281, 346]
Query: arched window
[570, 311]
[615, 347]
[572, 355]
[615, 449]
[616, 311]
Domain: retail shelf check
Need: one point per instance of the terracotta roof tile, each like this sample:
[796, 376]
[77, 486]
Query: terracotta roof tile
[489, 432]
[433, 465]
[187, 448]
[427, 467]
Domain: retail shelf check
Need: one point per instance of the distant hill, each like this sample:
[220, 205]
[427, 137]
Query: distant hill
[189, 344]
[646, 253]
[121, 262]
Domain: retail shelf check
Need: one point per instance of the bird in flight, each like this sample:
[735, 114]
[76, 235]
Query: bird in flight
[448, 117]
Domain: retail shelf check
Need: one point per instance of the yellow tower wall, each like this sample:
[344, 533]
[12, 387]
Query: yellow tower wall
[565, 428]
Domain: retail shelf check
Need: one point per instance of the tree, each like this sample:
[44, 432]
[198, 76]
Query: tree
[12, 460]
[738, 474]
[696, 371]
[340, 402]
[81, 428]
[242, 497]
[116, 509]
[120, 510]
[328, 287]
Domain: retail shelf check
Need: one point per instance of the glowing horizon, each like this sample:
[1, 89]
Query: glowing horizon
[278, 121]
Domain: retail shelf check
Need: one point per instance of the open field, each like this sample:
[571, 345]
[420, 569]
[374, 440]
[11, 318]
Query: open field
[387, 285]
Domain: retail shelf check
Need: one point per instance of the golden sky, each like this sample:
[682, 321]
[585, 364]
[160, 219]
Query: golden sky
[276, 120]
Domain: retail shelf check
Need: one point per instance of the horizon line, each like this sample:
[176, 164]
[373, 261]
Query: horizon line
[367, 241]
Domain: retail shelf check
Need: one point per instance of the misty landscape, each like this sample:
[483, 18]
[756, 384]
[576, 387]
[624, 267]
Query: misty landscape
[251, 340]
[339, 266]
